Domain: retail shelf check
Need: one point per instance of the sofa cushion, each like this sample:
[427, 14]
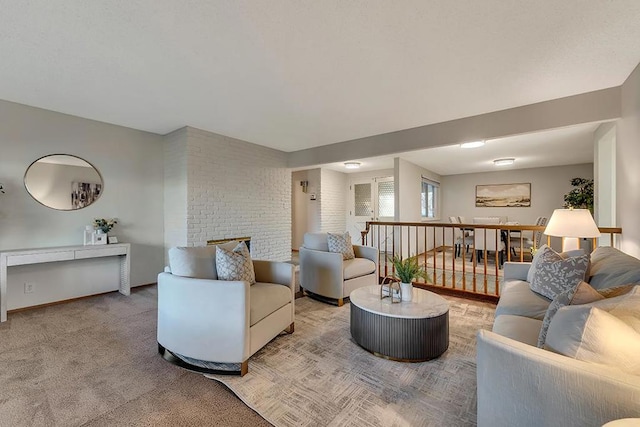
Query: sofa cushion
[198, 262]
[341, 244]
[518, 299]
[267, 298]
[357, 267]
[554, 274]
[581, 294]
[611, 267]
[588, 333]
[235, 264]
[316, 241]
[518, 328]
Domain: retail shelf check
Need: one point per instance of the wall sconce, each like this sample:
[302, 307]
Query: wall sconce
[305, 186]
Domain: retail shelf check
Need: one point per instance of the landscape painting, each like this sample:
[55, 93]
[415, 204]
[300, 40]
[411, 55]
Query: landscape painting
[503, 195]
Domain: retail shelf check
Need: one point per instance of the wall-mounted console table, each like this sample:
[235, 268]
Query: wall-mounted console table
[65, 253]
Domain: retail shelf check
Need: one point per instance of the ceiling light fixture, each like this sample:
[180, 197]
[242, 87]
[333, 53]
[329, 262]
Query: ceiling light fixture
[472, 144]
[352, 165]
[504, 162]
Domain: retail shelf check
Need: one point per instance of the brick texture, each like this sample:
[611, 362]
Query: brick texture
[233, 189]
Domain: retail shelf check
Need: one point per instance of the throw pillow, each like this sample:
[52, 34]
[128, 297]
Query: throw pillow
[197, 262]
[588, 333]
[341, 243]
[581, 294]
[554, 275]
[537, 258]
[236, 264]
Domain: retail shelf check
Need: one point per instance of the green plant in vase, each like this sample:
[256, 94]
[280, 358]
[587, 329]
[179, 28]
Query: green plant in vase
[104, 224]
[407, 270]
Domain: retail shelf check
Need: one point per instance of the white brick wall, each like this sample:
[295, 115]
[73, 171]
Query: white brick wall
[333, 196]
[235, 189]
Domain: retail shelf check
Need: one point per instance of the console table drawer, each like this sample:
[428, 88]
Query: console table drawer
[38, 258]
[95, 253]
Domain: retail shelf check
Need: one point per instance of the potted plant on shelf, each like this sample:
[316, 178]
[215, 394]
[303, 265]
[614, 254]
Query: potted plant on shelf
[407, 270]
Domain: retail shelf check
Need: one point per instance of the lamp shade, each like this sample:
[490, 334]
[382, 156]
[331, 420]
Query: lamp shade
[572, 223]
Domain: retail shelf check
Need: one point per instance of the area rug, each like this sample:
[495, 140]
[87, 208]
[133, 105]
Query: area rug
[319, 376]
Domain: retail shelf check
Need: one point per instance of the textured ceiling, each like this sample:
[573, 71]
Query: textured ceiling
[297, 74]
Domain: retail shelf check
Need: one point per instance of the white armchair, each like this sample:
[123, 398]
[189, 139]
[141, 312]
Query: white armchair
[326, 274]
[214, 326]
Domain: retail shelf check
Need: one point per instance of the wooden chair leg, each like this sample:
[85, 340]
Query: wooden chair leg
[340, 302]
[289, 329]
[244, 368]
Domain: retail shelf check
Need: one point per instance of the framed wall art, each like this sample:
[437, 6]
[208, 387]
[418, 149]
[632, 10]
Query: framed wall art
[503, 195]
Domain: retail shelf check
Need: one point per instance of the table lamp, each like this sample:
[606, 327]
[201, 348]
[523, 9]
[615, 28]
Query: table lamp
[571, 225]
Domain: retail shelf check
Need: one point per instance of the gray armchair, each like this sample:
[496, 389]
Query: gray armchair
[327, 275]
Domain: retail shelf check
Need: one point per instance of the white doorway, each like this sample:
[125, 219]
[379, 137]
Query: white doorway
[370, 199]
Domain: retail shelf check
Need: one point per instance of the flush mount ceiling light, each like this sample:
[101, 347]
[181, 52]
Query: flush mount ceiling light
[504, 162]
[472, 144]
[352, 165]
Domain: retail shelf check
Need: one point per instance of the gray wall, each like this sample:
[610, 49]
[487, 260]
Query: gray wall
[130, 162]
[548, 186]
[628, 165]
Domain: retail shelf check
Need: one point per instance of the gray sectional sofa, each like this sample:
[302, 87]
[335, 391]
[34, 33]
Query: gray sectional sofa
[520, 384]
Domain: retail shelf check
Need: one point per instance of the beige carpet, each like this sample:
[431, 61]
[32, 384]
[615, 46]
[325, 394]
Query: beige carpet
[319, 377]
[94, 362]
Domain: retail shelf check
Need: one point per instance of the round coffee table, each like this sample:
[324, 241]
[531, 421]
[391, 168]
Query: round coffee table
[412, 331]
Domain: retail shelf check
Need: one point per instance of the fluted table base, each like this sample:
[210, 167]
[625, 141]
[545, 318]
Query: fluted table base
[401, 339]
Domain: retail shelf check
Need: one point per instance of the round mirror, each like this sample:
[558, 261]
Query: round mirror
[63, 182]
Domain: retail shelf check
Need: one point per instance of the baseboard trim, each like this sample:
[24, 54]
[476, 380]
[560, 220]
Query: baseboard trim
[64, 301]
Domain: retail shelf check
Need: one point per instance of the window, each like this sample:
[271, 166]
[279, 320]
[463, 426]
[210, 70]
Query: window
[429, 196]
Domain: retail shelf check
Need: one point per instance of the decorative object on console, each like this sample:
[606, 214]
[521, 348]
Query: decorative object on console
[572, 224]
[407, 270]
[99, 238]
[104, 224]
[503, 195]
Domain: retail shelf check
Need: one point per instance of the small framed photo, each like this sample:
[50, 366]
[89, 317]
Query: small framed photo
[113, 239]
[99, 239]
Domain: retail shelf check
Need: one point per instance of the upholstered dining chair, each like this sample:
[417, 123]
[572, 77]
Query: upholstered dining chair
[461, 237]
[328, 275]
[518, 245]
[488, 240]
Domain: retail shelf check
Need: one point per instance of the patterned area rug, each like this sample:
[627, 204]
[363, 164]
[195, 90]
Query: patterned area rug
[319, 376]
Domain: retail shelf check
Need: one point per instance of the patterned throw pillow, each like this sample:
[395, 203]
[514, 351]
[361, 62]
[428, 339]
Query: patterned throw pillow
[236, 264]
[537, 258]
[554, 275]
[341, 243]
[581, 294]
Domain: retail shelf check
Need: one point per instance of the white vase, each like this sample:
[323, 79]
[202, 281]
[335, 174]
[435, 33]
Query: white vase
[407, 291]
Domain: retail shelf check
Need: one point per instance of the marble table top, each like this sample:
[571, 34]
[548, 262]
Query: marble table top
[424, 304]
